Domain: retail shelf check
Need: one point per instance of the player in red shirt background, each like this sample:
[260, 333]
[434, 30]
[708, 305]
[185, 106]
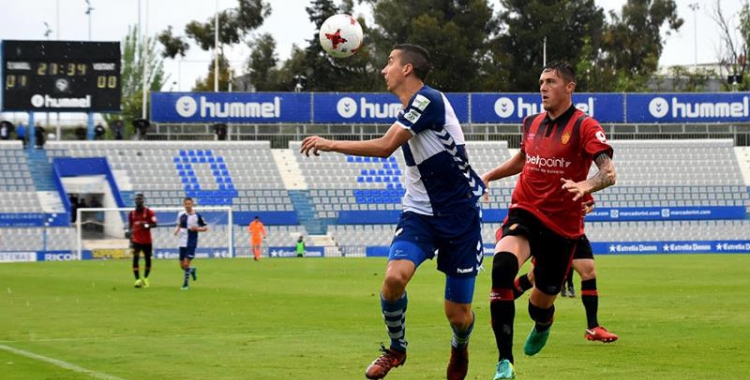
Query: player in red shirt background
[583, 263]
[140, 222]
[544, 217]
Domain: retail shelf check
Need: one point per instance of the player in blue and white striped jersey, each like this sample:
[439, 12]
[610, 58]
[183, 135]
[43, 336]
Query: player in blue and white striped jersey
[189, 224]
[440, 208]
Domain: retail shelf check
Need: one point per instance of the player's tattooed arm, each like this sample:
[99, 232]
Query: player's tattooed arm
[605, 177]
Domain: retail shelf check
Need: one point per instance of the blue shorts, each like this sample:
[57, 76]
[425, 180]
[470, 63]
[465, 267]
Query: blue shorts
[187, 253]
[457, 240]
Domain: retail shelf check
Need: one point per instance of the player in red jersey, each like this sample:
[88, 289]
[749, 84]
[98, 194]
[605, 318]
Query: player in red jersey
[544, 217]
[583, 263]
[141, 221]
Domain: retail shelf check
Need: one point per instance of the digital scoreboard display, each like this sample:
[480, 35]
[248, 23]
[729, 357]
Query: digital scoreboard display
[60, 76]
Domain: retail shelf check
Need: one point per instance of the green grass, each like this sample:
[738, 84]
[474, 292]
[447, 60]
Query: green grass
[678, 317]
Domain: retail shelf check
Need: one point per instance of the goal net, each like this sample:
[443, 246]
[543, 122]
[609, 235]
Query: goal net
[104, 232]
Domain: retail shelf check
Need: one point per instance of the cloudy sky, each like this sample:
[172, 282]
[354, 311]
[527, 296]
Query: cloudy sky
[289, 24]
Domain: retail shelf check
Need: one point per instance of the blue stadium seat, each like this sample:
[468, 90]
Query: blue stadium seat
[199, 152]
[183, 153]
[194, 159]
[209, 152]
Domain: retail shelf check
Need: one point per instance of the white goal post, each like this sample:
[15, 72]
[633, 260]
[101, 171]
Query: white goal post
[104, 230]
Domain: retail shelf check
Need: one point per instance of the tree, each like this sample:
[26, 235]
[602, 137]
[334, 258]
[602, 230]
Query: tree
[225, 73]
[131, 76]
[234, 25]
[262, 63]
[632, 43]
[455, 33]
[571, 30]
[734, 50]
[685, 81]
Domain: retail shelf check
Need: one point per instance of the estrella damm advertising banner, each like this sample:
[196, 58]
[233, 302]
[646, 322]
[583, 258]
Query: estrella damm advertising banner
[507, 108]
[230, 107]
[371, 108]
[688, 108]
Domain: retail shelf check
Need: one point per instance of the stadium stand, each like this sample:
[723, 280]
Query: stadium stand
[16, 186]
[242, 175]
[247, 176]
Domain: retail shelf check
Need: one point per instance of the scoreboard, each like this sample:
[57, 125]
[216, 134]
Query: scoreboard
[60, 76]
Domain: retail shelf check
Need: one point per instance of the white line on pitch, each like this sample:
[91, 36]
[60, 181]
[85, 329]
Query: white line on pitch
[60, 363]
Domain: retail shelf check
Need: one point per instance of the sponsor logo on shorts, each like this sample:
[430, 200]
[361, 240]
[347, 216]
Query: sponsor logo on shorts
[464, 270]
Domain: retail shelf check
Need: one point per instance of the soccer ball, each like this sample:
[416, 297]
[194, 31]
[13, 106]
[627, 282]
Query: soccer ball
[341, 36]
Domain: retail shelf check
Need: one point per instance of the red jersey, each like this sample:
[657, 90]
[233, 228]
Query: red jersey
[137, 221]
[556, 149]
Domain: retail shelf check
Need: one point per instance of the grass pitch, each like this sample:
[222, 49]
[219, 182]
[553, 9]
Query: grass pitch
[678, 317]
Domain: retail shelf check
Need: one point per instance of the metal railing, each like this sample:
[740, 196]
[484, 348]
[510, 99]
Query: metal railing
[281, 134]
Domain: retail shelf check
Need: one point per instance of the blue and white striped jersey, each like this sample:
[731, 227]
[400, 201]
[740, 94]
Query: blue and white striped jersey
[189, 238]
[438, 177]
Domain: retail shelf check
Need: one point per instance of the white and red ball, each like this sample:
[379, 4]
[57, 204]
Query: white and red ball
[341, 36]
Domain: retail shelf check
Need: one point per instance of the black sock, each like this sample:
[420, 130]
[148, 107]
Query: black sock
[136, 270]
[148, 266]
[521, 285]
[542, 317]
[502, 305]
[569, 279]
[590, 298]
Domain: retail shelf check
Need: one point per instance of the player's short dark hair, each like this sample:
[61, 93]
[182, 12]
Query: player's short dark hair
[140, 195]
[417, 56]
[256, 217]
[188, 199]
[564, 70]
